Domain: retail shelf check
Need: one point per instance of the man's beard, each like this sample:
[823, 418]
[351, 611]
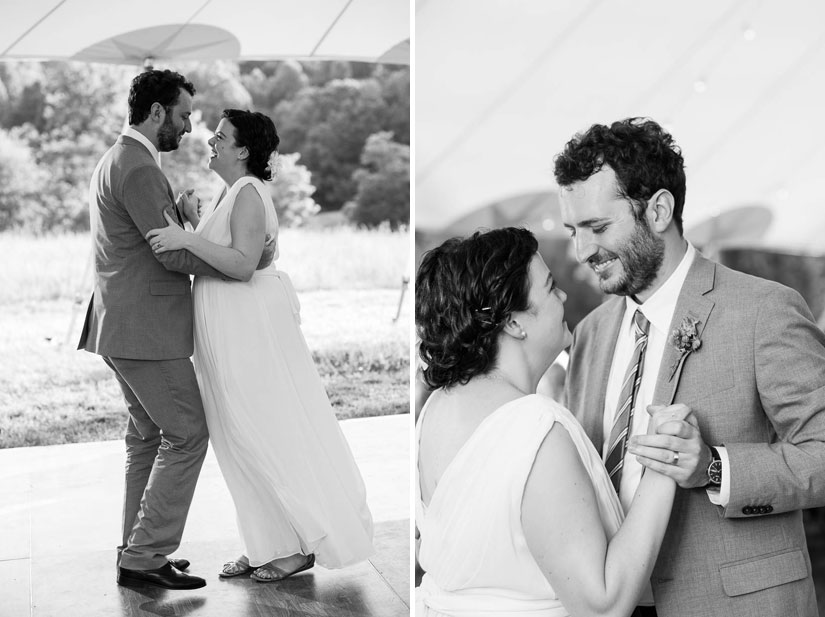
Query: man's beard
[641, 258]
[167, 136]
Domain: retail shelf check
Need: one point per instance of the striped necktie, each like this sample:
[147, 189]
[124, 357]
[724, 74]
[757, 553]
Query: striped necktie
[627, 401]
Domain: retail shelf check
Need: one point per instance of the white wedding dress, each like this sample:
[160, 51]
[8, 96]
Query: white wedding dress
[287, 465]
[473, 549]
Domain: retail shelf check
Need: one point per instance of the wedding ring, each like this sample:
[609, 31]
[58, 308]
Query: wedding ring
[675, 458]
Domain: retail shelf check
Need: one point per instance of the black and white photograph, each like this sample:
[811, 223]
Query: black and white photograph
[206, 308]
[384, 308]
[619, 290]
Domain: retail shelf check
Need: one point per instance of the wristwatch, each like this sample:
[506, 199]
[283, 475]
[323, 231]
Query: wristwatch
[715, 468]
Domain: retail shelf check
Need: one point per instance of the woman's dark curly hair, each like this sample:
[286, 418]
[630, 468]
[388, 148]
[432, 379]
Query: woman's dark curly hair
[155, 87]
[464, 291]
[257, 133]
[641, 153]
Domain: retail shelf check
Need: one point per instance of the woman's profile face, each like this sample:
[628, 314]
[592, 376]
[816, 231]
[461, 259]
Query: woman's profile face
[544, 324]
[224, 154]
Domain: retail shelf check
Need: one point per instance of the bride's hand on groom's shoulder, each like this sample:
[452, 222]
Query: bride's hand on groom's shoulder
[673, 446]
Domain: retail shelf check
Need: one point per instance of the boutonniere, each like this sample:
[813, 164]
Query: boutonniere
[686, 340]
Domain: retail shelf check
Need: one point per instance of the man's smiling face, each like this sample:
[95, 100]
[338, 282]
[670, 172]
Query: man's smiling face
[623, 252]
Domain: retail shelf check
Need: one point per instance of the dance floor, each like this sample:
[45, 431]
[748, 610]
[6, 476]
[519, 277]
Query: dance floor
[60, 521]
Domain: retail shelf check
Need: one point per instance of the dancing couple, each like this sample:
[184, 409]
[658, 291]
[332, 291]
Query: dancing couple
[251, 386]
[673, 481]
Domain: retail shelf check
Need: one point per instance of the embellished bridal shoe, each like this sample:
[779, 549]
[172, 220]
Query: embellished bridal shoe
[270, 573]
[236, 567]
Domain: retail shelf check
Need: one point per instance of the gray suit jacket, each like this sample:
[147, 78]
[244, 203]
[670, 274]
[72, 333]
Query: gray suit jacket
[141, 307]
[756, 386]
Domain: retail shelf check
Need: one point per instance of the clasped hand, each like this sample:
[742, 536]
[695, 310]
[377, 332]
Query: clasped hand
[673, 446]
[189, 205]
[169, 238]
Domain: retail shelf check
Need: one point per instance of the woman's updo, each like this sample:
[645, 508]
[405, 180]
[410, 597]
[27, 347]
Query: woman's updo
[464, 291]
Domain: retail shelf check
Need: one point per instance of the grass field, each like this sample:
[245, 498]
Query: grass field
[57, 267]
[349, 287]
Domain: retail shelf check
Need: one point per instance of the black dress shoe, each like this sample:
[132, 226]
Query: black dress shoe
[180, 564]
[164, 577]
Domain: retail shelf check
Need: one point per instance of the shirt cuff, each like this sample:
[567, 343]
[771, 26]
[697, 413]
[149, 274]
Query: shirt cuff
[720, 495]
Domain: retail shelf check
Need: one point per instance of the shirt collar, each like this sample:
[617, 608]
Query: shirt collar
[130, 132]
[659, 308]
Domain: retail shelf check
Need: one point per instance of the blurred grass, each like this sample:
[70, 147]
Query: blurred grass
[51, 394]
[58, 266]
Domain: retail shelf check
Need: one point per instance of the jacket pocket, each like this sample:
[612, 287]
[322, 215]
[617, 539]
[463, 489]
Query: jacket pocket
[168, 288]
[747, 576]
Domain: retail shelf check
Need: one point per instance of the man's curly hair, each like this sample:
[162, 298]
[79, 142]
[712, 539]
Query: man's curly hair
[641, 153]
[155, 86]
[464, 291]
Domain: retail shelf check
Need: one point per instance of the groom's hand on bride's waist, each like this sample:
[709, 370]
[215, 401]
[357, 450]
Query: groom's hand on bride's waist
[674, 447]
[268, 253]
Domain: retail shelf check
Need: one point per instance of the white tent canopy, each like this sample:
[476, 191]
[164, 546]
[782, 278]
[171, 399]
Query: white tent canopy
[501, 86]
[127, 32]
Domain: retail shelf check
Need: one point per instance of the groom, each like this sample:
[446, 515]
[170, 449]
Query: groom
[140, 321]
[743, 353]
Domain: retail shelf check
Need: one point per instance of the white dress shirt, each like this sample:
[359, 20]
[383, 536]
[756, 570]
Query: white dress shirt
[658, 310]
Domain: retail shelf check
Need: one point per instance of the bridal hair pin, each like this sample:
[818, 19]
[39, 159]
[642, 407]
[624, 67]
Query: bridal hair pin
[485, 316]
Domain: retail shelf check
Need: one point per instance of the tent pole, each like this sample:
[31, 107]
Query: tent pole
[405, 281]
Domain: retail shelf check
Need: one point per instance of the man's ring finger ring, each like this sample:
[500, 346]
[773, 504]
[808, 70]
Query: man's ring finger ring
[675, 458]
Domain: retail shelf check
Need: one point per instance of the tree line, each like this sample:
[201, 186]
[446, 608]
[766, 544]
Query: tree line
[344, 128]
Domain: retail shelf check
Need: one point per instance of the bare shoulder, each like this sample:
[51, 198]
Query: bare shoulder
[557, 461]
[248, 206]
[248, 194]
[558, 476]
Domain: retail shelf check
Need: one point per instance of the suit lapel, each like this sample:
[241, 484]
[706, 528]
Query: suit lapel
[691, 303]
[604, 345]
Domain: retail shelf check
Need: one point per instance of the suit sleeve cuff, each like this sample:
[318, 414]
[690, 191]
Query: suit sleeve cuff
[720, 495]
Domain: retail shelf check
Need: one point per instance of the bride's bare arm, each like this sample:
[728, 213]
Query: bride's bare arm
[247, 225]
[592, 575]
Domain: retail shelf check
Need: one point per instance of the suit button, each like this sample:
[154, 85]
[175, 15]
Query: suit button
[768, 509]
[747, 510]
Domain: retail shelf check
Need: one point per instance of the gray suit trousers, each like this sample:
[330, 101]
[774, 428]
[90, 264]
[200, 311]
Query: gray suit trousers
[166, 442]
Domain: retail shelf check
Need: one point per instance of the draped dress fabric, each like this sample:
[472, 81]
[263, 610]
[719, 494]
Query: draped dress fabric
[473, 550]
[287, 465]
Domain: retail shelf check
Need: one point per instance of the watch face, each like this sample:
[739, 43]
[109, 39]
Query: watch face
[715, 472]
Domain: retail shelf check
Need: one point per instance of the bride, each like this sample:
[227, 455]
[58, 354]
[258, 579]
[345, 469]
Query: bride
[298, 494]
[515, 509]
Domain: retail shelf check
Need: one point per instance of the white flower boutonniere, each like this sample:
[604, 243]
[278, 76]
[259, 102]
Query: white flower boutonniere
[686, 339]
